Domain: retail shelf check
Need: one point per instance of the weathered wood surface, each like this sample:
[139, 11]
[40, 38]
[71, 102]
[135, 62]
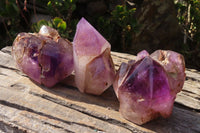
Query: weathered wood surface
[28, 107]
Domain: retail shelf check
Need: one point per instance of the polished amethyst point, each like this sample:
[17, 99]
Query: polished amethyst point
[94, 69]
[45, 57]
[174, 65]
[144, 88]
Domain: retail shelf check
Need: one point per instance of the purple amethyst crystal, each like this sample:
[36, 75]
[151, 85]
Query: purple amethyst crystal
[45, 57]
[94, 69]
[145, 87]
[174, 65]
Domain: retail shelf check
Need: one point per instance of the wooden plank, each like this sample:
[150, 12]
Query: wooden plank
[28, 107]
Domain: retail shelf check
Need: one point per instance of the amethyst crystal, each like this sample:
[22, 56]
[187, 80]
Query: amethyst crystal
[174, 65]
[45, 57]
[146, 87]
[94, 69]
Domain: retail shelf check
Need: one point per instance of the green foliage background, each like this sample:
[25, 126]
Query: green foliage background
[188, 14]
[15, 18]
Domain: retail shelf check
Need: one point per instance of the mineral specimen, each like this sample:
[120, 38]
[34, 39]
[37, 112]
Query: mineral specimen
[146, 88]
[94, 69]
[45, 57]
[174, 65]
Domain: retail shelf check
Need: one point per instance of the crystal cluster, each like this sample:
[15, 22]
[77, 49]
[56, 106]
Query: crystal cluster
[45, 57]
[147, 87]
[94, 69]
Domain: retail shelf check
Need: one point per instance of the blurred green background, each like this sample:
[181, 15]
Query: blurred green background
[129, 25]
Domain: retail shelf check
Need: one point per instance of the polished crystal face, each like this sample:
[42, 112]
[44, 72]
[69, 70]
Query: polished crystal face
[94, 69]
[45, 57]
[145, 87]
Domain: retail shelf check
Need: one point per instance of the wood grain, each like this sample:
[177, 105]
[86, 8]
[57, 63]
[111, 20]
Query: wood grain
[28, 107]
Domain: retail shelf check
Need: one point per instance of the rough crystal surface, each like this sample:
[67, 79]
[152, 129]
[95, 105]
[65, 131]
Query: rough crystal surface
[45, 57]
[94, 69]
[174, 65]
[145, 87]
